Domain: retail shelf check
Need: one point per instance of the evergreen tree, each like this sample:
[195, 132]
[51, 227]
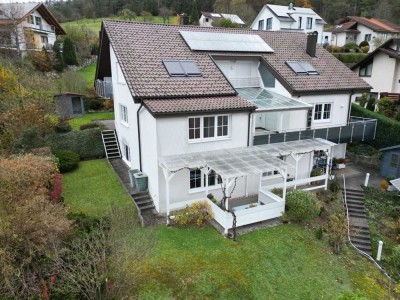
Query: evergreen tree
[59, 64]
[69, 52]
[195, 14]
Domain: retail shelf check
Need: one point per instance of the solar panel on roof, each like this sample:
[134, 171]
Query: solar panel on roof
[180, 68]
[229, 42]
[302, 68]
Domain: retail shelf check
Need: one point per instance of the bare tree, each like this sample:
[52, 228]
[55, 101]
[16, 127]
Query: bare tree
[165, 13]
[14, 32]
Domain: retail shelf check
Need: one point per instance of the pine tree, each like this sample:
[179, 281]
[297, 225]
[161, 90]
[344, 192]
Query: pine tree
[69, 52]
[59, 64]
[195, 14]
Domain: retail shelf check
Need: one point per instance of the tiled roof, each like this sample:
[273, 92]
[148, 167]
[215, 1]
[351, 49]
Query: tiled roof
[141, 47]
[379, 25]
[346, 27]
[196, 105]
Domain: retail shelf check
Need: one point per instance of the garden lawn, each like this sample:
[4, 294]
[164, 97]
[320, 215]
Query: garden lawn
[92, 188]
[283, 262]
[89, 73]
[89, 117]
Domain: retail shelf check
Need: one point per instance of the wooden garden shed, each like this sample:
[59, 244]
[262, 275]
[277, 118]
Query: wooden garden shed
[69, 105]
[390, 163]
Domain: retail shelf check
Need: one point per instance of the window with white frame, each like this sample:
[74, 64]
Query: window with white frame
[126, 152]
[208, 127]
[309, 23]
[31, 19]
[38, 21]
[367, 37]
[198, 180]
[322, 112]
[269, 23]
[124, 113]
[261, 25]
[300, 21]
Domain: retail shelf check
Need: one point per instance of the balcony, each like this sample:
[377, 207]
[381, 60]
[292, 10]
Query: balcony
[104, 87]
[357, 130]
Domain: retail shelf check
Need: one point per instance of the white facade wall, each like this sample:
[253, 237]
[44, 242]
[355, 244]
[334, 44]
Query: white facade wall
[127, 132]
[205, 21]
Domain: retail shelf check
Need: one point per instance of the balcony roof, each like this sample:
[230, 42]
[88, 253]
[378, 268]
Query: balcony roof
[238, 162]
[266, 100]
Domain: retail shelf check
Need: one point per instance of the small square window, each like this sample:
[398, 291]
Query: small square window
[261, 25]
[124, 113]
[195, 178]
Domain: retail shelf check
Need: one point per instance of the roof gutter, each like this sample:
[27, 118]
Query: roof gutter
[138, 130]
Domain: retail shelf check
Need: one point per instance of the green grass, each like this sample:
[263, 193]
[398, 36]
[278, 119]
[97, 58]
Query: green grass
[89, 117]
[95, 24]
[89, 73]
[283, 262]
[93, 188]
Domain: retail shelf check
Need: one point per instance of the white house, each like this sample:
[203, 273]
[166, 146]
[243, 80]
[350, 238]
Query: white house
[381, 69]
[207, 18]
[357, 29]
[289, 18]
[27, 26]
[201, 107]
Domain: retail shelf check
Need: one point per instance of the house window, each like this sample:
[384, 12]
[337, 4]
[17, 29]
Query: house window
[208, 127]
[309, 23]
[394, 160]
[31, 19]
[366, 71]
[182, 68]
[199, 180]
[322, 112]
[384, 36]
[126, 152]
[269, 23]
[261, 25]
[124, 113]
[300, 21]
[206, 19]
[38, 21]
[44, 39]
[367, 37]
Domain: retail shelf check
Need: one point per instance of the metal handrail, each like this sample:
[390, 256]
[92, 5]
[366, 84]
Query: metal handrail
[369, 257]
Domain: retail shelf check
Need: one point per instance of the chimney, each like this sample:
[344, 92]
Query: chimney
[312, 39]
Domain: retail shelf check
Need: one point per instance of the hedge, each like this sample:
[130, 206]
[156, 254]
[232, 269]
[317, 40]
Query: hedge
[387, 131]
[87, 143]
[350, 58]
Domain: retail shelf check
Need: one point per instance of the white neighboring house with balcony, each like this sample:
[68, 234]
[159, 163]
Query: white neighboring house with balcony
[27, 26]
[233, 108]
[289, 18]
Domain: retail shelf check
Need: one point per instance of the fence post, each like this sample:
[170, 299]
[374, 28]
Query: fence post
[379, 254]
[366, 180]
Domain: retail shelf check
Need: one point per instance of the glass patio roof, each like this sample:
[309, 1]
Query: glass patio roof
[396, 183]
[266, 100]
[237, 162]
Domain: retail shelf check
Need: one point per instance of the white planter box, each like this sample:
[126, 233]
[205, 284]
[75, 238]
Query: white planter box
[341, 166]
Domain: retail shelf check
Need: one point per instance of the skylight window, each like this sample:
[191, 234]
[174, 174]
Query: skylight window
[182, 68]
[302, 68]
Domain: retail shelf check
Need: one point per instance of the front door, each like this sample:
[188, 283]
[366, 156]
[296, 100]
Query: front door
[76, 105]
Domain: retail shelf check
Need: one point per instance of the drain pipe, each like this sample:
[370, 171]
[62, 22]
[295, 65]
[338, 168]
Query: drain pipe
[248, 129]
[138, 129]
[349, 112]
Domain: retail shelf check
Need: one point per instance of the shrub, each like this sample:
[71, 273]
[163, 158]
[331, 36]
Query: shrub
[337, 231]
[316, 172]
[371, 104]
[87, 143]
[277, 191]
[386, 107]
[394, 259]
[29, 139]
[364, 49]
[334, 187]
[109, 104]
[319, 233]
[69, 54]
[88, 126]
[57, 187]
[40, 60]
[68, 160]
[302, 206]
[93, 104]
[63, 126]
[350, 46]
[198, 213]
[363, 44]
[397, 116]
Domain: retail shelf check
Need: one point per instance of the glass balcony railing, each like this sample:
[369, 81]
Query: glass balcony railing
[357, 130]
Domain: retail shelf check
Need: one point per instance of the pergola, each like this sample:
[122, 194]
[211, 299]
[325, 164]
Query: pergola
[230, 164]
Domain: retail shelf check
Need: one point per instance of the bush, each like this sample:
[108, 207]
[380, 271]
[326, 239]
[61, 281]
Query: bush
[88, 126]
[63, 126]
[334, 187]
[387, 131]
[69, 54]
[397, 116]
[277, 191]
[40, 60]
[350, 58]
[67, 160]
[394, 259]
[93, 104]
[57, 187]
[364, 49]
[319, 233]
[198, 213]
[302, 206]
[109, 104]
[29, 139]
[386, 107]
[371, 104]
[363, 44]
[351, 46]
[87, 143]
[316, 172]
[337, 231]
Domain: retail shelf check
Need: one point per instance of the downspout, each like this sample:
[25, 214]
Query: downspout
[349, 112]
[138, 129]
[248, 129]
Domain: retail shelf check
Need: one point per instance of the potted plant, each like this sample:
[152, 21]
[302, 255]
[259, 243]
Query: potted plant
[212, 198]
[314, 173]
[341, 163]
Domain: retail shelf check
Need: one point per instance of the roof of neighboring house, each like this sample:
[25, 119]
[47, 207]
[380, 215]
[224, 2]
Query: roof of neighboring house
[378, 25]
[346, 27]
[69, 93]
[140, 49]
[385, 48]
[11, 12]
[189, 105]
[283, 13]
[218, 16]
[389, 148]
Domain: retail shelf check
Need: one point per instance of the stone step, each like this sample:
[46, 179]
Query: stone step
[144, 202]
[141, 197]
[355, 205]
[359, 241]
[147, 207]
[355, 191]
[356, 210]
[358, 227]
[363, 235]
[363, 248]
[356, 202]
[357, 215]
[136, 194]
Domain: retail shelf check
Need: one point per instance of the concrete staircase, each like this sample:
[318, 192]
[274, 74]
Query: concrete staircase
[143, 201]
[359, 229]
[110, 143]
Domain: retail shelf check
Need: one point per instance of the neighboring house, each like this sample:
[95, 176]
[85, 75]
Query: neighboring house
[69, 105]
[27, 26]
[279, 17]
[201, 107]
[390, 162]
[358, 29]
[208, 18]
[381, 69]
